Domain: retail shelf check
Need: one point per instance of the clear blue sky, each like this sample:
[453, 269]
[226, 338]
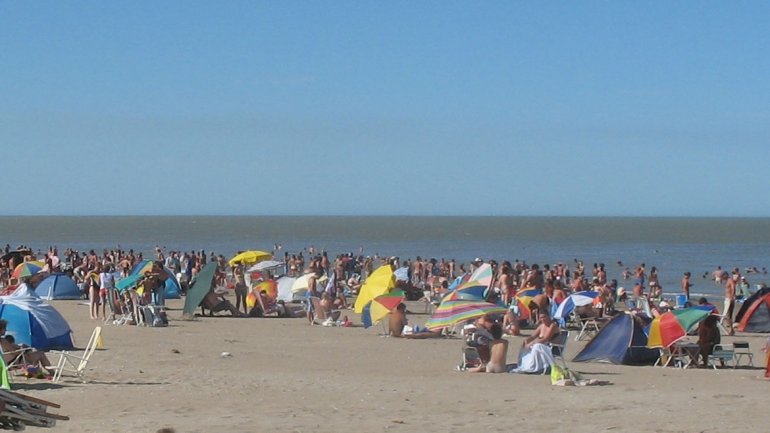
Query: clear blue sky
[371, 107]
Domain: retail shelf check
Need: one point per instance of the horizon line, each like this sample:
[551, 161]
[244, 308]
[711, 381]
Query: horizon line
[379, 216]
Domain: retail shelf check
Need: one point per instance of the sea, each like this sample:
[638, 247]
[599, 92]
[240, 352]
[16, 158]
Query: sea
[672, 245]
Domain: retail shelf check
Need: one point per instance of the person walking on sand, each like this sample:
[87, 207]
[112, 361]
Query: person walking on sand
[729, 306]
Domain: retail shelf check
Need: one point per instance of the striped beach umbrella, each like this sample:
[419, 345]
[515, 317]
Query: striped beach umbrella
[27, 269]
[577, 299]
[449, 313]
[380, 307]
[672, 326]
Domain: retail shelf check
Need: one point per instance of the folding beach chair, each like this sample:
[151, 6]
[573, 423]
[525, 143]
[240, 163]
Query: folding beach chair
[75, 364]
[742, 349]
[559, 346]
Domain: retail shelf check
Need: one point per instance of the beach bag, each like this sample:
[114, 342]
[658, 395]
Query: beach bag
[560, 374]
[159, 318]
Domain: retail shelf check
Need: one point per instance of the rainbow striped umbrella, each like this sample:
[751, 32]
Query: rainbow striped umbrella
[450, 312]
[673, 325]
[27, 269]
[467, 293]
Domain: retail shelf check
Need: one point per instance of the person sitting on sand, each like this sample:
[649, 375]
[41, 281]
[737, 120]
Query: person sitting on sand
[511, 322]
[397, 321]
[13, 352]
[498, 350]
[216, 303]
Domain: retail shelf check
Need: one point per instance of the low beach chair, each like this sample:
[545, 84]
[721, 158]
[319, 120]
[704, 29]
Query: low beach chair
[722, 353]
[471, 358]
[17, 363]
[742, 350]
[75, 364]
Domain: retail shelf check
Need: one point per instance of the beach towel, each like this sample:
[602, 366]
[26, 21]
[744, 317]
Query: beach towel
[535, 360]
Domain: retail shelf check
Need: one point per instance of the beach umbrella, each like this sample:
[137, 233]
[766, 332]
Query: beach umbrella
[402, 274]
[250, 257]
[459, 281]
[200, 287]
[449, 313]
[467, 292]
[672, 326]
[269, 286]
[300, 285]
[128, 282]
[27, 269]
[577, 299]
[529, 293]
[380, 307]
[379, 282]
[483, 275]
[267, 265]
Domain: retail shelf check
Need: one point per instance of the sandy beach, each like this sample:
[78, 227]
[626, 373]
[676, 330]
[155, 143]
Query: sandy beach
[283, 375]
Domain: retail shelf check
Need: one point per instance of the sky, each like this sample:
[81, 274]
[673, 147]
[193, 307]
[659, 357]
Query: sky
[610, 108]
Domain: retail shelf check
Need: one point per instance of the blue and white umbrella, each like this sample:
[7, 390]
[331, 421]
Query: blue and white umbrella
[577, 299]
[402, 274]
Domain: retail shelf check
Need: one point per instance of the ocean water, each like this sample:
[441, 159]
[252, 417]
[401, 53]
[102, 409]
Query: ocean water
[673, 245]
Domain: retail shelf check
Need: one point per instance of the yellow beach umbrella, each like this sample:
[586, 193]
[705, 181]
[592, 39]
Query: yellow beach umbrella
[250, 257]
[379, 282]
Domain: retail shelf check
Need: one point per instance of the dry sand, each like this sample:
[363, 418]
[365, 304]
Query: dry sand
[286, 376]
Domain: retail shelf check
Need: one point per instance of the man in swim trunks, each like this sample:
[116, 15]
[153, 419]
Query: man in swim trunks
[729, 306]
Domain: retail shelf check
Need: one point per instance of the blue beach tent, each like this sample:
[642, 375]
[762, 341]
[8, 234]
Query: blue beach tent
[621, 341]
[33, 322]
[58, 286]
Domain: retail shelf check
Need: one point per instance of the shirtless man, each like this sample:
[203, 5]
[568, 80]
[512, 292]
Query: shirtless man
[312, 291]
[544, 332]
[601, 275]
[216, 303]
[498, 351]
[397, 321]
[730, 299]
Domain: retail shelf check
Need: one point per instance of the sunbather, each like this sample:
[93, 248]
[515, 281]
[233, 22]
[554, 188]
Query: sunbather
[216, 303]
[13, 352]
[397, 321]
[498, 350]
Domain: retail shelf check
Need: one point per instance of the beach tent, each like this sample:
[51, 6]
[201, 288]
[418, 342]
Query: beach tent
[58, 286]
[620, 341]
[754, 315]
[34, 322]
[200, 287]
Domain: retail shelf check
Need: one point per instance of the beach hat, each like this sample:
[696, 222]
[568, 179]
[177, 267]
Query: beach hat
[664, 304]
